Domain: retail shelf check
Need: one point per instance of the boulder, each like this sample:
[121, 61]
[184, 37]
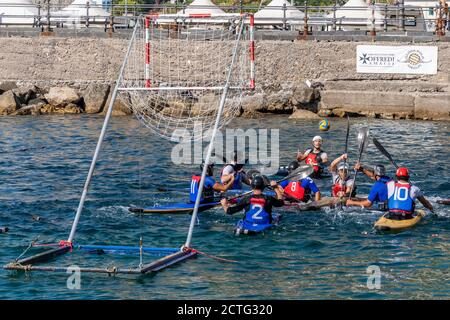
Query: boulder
[62, 96]
[37, 101]
[119, 108]
[34, 110]
[26, 93]
[302, 95]
[279, 102]
[95, 97]
[304, 114]
[7, 85]
[47, 109]
[72, 108]
[254, 103]
[8, 103]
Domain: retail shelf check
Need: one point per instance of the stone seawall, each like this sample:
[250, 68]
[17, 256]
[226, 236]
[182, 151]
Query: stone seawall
[282, 67]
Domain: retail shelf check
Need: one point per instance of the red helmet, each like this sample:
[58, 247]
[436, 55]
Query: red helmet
[402, 172]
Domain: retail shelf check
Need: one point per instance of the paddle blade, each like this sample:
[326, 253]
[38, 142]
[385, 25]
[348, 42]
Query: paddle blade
[363, 133]
[347, 134]
[299, 173]
[383, 151]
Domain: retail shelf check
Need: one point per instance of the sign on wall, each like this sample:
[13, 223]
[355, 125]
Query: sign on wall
[396, 59]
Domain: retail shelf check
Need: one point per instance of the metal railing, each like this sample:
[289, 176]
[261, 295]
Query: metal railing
[306, 18]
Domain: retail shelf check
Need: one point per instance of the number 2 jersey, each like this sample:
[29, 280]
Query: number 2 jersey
[401, 197]
[258, 208]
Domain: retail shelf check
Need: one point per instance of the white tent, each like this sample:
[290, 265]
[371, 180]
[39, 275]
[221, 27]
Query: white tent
[78, 10]
[273, 13]
[17, 12]
[357, 12]
[202, 7]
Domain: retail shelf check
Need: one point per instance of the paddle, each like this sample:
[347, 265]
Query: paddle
[388, 155]
[363, 133]
[346, 137]
[346, 147]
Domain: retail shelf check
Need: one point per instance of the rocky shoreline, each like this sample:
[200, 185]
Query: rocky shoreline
[76, 75]
[299, 102]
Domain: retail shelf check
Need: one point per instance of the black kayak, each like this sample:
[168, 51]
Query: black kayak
[174, 208]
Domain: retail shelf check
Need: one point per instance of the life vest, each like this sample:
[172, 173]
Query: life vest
[399, 198]
[257, 213]
[238, 176]
[340, 185]
[295, 190]
[207, 191]
[311, 159]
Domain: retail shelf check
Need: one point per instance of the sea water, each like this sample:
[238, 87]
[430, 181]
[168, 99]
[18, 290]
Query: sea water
[311, 255]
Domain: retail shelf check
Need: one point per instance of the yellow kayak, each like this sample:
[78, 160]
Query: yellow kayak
[386, 224]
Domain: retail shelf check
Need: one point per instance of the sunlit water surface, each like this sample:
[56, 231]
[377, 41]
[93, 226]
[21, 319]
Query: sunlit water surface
[322, 254]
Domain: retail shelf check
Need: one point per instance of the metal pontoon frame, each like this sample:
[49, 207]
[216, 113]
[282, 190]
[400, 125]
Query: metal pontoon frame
[176, 255]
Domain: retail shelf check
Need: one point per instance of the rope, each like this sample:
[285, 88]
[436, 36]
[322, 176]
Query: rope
[28, 248]
[186, 249]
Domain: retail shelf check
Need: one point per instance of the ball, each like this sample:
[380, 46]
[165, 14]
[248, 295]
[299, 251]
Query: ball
[324, 125]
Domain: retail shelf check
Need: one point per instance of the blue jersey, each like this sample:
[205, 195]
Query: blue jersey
[400, 198]
[238, 176]
[258, 209]
[237, 183]
[379, 192]
[208, 191]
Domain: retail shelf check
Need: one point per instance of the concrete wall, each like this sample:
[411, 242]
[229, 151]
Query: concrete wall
[281, 66]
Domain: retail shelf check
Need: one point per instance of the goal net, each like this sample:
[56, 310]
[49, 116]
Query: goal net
[179, 66]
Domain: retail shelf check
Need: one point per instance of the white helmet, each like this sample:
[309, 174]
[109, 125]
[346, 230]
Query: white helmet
[317, 138]
[343, 166]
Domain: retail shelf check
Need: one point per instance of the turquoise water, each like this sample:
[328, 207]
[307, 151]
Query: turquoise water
[311, 255]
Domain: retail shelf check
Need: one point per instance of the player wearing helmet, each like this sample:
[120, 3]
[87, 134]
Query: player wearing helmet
[402, 195]
[342, 183]
[234, 168]
[299, 190]
[257, 206]
[378, 193]
[209, 186]
[314, 156]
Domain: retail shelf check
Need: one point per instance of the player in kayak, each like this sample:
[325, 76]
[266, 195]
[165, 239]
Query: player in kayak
[209, 186]
[257, 206]
[299, 190]
[342, 183]
[315, 156]
[402, 195]
[378, 194]
[235, 169]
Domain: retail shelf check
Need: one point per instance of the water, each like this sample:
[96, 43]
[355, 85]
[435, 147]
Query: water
[322, 254]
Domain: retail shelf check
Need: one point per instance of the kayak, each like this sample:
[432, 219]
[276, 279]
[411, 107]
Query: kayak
[178, 208]
[330, 202]
[244, 227]
[185, 208]
[446, 202]
[385, 224]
